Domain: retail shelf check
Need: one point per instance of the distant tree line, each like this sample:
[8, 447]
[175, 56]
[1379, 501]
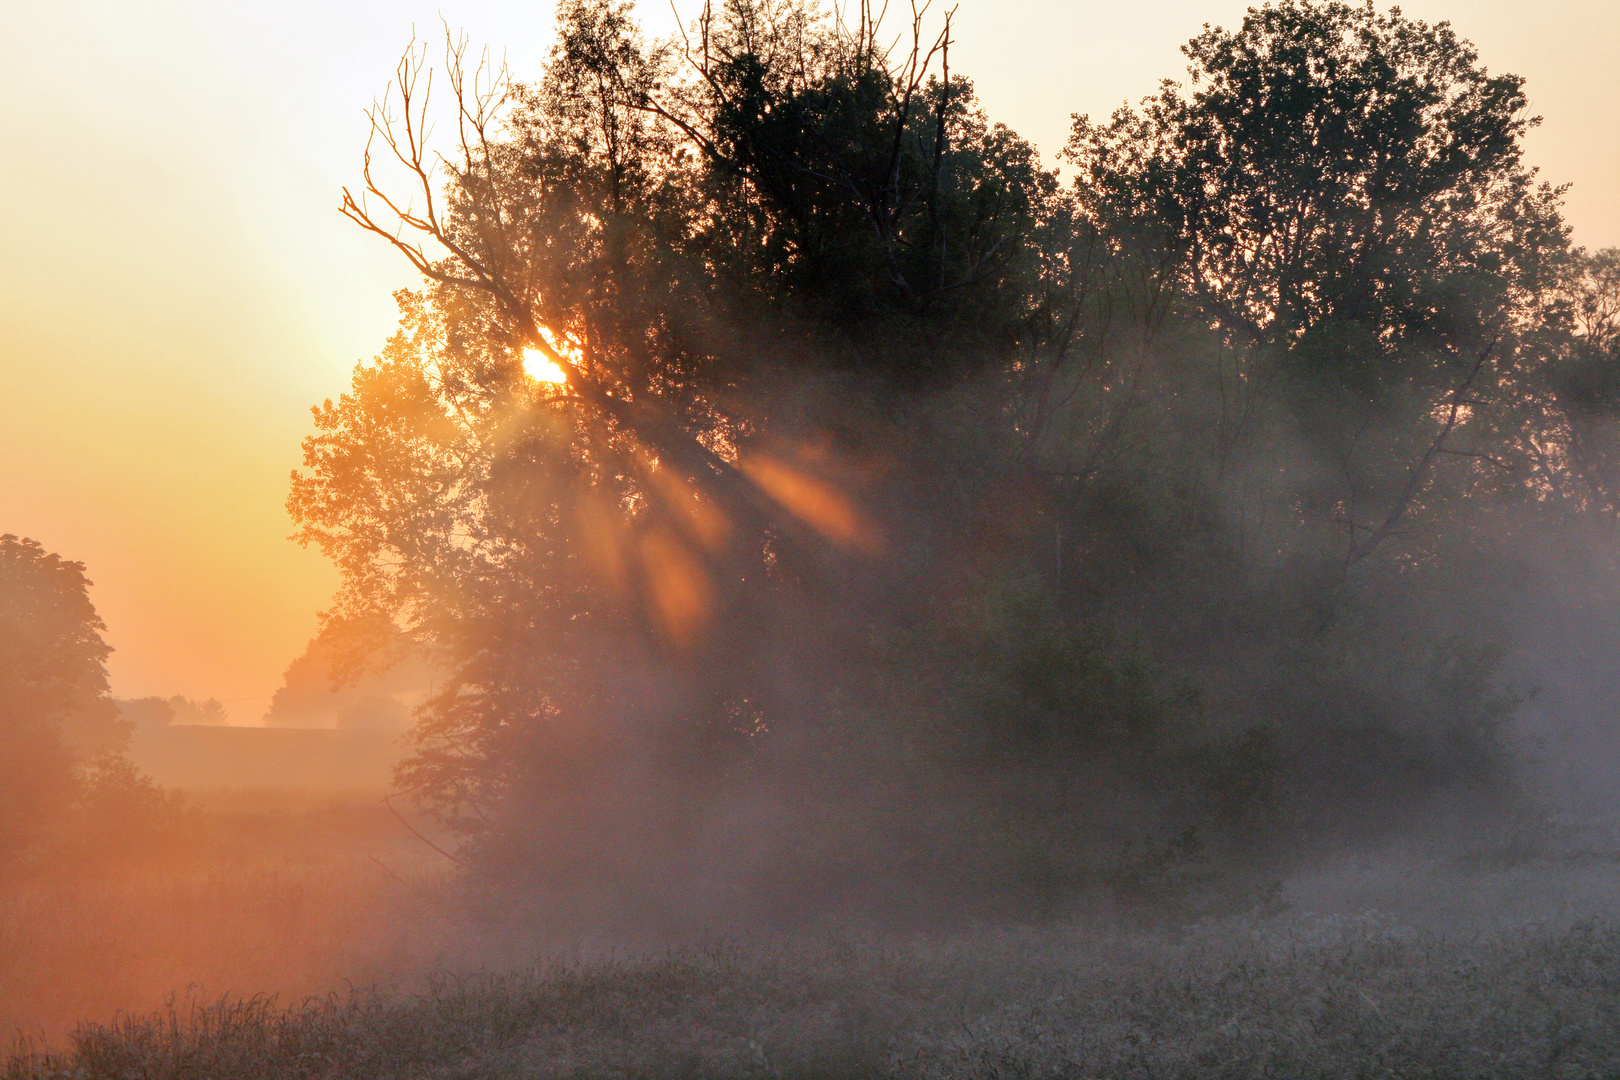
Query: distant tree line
[913, 530]
[161, 712]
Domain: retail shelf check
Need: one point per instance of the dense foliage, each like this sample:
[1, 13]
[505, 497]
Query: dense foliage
[51, 673]
[66, 790]
[905, 517]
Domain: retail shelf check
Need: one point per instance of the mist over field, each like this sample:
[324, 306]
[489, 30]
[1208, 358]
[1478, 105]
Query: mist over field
[822, 592]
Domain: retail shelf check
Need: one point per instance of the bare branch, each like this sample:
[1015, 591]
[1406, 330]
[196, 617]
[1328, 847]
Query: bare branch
[1414, 479]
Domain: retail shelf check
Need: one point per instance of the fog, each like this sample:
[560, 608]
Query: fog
[972, 589]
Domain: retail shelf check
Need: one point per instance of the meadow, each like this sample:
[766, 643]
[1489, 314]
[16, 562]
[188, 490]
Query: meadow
[282, 892]
[1495, 961]
[1316, 998]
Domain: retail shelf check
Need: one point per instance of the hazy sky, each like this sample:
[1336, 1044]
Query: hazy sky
[177, 287]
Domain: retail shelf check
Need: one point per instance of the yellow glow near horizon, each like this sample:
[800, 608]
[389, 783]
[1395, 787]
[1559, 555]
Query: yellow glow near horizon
[541, 368]
[177, 290]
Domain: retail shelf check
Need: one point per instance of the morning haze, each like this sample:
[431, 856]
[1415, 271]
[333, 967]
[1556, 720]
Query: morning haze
[179, 287]
[823, 542]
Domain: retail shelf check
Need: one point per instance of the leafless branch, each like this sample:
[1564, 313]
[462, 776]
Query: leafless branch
[388, 801]
[1419, 471]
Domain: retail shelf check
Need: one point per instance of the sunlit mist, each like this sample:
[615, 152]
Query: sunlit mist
[810, 538]
[541, 368]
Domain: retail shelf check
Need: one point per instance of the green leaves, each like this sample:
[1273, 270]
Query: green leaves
[1327, 163]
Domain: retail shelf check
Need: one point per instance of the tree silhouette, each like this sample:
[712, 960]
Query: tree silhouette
[53, 680]
[674, 244]
[1344, 193]
[874, 448]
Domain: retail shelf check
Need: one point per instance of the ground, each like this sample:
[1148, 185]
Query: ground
[1494, 961]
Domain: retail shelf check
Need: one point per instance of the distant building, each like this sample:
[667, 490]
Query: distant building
[209, 756]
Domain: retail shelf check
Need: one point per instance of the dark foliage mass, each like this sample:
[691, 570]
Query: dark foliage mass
[51, 673]
[67, 793]
[913, 533]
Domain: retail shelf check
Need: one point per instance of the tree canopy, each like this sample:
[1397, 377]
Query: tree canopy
[923, 503]
[53, 684]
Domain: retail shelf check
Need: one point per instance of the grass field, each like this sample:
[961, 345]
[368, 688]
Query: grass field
[267, 892]
[321, 941]
[1322, 998]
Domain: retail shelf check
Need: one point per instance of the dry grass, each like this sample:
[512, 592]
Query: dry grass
[280, 897]
[258, 951]
[1312, 998]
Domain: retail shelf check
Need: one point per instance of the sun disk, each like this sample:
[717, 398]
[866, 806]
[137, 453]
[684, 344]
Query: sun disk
[541, 368]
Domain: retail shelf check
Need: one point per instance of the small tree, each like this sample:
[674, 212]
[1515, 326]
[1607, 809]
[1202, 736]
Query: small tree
[53, 680]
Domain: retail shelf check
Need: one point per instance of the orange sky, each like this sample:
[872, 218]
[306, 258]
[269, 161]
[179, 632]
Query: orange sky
[177, 287]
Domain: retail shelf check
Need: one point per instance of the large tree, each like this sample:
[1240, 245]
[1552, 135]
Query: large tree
[711, 242]
[780, 268]
[1343, 195]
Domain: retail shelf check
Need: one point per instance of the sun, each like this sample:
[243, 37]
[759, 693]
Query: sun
[540, 368]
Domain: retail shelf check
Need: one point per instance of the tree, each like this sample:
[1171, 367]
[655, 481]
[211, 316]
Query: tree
[349, 683]
[675, 247]
[1585, 384]
[778, 267]
[53, 680]
[1344, 195]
